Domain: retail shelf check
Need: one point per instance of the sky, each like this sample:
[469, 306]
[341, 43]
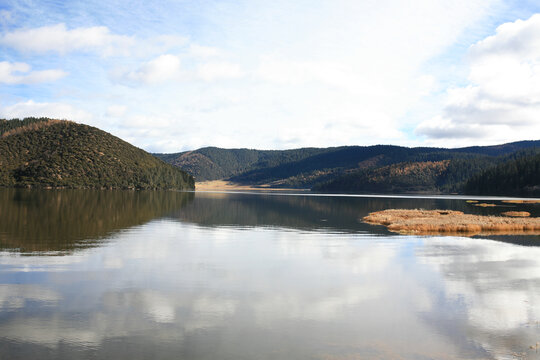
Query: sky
[170, 76]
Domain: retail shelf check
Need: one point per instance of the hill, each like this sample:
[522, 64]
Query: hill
[379, 168]
[519, 175]
[57, 153]
[212, 163]
[443, 176]
[403, 177]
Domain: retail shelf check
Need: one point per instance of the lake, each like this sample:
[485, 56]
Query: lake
[162, 275]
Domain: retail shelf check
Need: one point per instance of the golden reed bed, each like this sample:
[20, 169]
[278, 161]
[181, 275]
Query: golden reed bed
[521, 201]
[449, 222]
[224, 185]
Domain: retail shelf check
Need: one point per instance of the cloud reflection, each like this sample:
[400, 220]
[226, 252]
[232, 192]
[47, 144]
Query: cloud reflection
[497, 283]
[169, 288]
[16, 296]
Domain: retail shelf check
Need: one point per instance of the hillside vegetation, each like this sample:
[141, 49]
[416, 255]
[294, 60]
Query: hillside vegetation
[445, 176]
[212, 163]
[516, 176]
[57, 153]
[361, 169]
[402, 177]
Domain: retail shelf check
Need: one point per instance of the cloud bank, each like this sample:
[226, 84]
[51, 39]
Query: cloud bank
[57, 38]
[20, 73]
[502, 100]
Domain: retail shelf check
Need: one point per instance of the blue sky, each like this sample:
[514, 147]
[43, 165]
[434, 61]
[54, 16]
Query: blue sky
[170, 76]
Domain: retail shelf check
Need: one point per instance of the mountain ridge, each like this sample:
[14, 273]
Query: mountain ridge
[316, 168]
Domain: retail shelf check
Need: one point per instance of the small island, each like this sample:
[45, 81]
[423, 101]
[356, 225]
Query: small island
[449, 222]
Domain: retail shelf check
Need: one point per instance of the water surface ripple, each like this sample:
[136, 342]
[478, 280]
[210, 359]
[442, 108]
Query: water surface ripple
[161, 275]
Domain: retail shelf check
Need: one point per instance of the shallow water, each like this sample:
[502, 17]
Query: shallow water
[138, 275]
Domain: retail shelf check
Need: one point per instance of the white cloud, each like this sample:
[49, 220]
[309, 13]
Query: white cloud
[57, 38]
[45, 109]
[285, 74]
[160, 44]
[203, 51]
[20, 73]
[116, 110]
[161, 69]
[302, 72]
[442, 128]
[219, 70]
[512, 38]
[168, 68]
[6, 17]
[502, 100]
[340, 73]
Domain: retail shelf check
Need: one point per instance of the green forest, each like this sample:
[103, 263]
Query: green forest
[517, 176]
[42, 152]
[366, 169]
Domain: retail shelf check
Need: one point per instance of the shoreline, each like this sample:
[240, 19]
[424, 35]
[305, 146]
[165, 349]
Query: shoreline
[227, 186]
[224, 185]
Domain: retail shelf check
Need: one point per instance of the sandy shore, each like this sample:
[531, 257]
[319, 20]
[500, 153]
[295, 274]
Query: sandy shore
[223, 185]
[448, 222]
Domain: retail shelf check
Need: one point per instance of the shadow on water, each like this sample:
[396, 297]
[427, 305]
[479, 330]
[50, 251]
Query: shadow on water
[65, 220]
[326, 213]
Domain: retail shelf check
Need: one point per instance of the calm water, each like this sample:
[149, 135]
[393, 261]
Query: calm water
[163, 275]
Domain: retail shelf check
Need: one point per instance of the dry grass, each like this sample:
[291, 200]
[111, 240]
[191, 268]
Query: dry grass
[223, 185]
[521, 201]
[33, 126]
[472, 201]
[517, 213]
[485, 205]
[448, 222]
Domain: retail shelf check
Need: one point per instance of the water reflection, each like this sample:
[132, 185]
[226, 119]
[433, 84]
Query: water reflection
[17, 296]
[203, 294]
[301, 212]
[213, 276]
[320, 213]
[67, 220]
[498, 287]
[59, 220]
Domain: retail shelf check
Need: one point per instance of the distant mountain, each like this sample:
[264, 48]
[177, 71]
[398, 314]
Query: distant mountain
[379, 168]
[519, 175]
[443, 176]
[212, 163]
[498, 150]
[424, 176]
[258, 166]
[42, 152]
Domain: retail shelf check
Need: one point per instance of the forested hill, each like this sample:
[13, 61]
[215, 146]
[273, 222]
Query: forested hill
[517, 176]
[212, 163]
[380, 168]
[42, 152]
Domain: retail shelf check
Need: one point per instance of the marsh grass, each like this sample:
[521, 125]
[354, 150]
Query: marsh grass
[449, 222]
[485, 205]
[516, 213]
[521, 201]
